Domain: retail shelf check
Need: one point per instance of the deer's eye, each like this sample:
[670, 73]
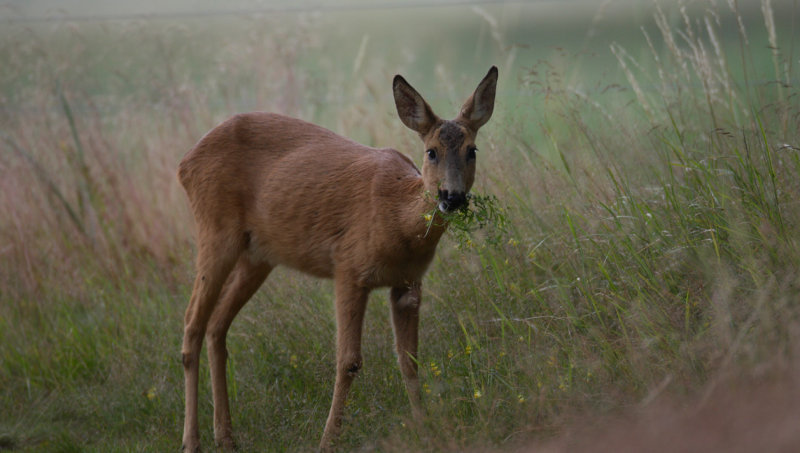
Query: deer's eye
[471, 153]
[431, 154]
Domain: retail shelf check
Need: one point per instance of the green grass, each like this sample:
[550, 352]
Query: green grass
[650, 192]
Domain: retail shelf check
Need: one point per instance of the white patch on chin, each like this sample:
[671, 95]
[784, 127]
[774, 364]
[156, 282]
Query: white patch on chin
[442, 207]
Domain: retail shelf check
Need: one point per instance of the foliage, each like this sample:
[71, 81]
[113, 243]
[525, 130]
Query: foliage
[483, 212]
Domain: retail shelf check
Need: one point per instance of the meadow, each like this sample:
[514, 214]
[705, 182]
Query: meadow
[644, 157]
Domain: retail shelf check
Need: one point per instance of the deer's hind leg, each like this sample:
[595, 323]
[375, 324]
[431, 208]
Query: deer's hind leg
[217, 253]
[242, 283]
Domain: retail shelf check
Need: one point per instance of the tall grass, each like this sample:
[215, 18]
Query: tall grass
[651, 241]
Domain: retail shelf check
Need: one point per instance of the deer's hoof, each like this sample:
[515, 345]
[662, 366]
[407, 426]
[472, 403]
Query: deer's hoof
[226, 444]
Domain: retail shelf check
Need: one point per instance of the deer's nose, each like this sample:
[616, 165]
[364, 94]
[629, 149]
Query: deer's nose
[450, 201]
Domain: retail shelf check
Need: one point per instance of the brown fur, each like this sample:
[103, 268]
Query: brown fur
[268, 190]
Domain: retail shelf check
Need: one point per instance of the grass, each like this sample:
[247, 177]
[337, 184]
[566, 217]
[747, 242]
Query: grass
[650, 245]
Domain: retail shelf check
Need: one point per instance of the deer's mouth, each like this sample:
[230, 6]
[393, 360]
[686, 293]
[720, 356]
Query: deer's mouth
[451, 201]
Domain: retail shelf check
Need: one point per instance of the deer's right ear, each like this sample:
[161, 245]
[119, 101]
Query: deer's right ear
[412, 109]
[478, 108]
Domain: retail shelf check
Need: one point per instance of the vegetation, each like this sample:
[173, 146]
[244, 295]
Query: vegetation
[647, 190]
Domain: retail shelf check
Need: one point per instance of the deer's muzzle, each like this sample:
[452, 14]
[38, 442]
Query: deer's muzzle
[450, 201]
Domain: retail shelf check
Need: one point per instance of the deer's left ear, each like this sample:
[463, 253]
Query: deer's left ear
[479, 107]
[412, 108]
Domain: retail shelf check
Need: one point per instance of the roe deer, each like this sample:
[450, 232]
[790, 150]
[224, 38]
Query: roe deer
[268, 190]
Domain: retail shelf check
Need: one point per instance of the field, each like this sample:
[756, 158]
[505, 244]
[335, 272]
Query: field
[645, 159]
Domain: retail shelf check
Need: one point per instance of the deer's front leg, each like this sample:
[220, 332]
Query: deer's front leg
[405, 303]
[351, 302]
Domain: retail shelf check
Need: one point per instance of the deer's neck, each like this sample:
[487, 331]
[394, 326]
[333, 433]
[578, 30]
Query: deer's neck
[426, 224]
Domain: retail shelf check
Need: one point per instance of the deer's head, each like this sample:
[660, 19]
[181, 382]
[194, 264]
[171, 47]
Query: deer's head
[450, 152]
